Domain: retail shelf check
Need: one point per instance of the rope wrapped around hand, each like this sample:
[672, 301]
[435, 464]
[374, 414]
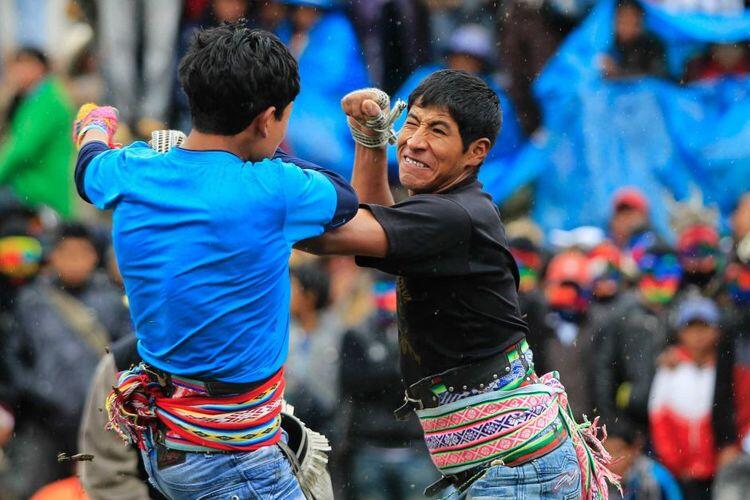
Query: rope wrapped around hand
[382, 124]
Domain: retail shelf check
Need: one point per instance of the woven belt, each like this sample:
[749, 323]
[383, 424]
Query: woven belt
[423, 394]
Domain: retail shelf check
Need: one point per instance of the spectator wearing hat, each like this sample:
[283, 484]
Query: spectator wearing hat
[629, 224]
[642, 477]
[36, 155]
[682, 397]
[470, 50]
[323, 41]
[631, 337]
[700, 257]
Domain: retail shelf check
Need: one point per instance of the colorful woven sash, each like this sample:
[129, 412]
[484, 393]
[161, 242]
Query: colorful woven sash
[193, 420]
[513, 427]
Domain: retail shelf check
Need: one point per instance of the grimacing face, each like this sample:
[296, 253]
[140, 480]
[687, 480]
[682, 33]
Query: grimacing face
[431, 155]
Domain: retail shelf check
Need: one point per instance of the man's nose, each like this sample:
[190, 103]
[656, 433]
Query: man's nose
[417, 139]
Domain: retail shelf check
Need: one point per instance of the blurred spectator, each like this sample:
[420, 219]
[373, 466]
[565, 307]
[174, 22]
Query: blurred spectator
[470, 50]
[681, 400]
[330, 66]
[697, 246]
[315, 331]
[65, 320]
[447, 15]
[731, 411]
[524, 246]
[635, 52]
[631, 338]
[567, 286]
[36, 155]
[721, 60]
[733, 481]
[387, 458]
[605, 270]
[629, 224]
[700, 258]
[741, 218]
[529, 33]
[391, 51]
[642, 478]
[143, 98]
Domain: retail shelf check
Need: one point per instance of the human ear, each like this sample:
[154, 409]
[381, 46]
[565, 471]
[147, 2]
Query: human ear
[477, 152]
[264, 120]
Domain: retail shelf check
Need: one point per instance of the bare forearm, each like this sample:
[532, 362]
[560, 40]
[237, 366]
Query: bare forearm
[370, 176]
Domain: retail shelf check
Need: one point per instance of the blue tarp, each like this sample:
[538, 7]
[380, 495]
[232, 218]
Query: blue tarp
[331, 65]
[600, 135]
[506, 147]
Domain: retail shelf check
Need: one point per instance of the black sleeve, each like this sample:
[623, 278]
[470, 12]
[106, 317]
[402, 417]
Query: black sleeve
[347, 202]
[85, 155]
[420, 230]
[724, 410]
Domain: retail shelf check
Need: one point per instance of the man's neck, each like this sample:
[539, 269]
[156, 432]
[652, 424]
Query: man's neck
[200, 141]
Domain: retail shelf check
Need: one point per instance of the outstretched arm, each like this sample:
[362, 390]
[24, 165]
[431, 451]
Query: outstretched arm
[363, 235]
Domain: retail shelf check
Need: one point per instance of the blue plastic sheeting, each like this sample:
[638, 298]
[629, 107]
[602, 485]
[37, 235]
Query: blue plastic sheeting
[508, 143]
[331, 65]
[601, 135]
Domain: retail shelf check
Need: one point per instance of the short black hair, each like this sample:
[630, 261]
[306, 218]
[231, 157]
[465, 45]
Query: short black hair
[472, 104]
[232, 73]
[34, 53]
[313, 277]
[75, 230]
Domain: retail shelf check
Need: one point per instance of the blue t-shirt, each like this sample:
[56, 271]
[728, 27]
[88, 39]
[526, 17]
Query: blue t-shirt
[203, 241]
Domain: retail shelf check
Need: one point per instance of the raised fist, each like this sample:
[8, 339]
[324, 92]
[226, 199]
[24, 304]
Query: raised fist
[92, 116]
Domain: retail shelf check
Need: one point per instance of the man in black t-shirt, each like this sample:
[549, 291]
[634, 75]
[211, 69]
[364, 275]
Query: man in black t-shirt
[461, 333]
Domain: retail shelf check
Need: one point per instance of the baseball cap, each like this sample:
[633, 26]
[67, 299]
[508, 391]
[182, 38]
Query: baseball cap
[697, 309]
[630, 198]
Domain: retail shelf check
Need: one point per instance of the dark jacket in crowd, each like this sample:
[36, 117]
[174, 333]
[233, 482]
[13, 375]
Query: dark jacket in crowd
[54, 357]
[625, 352]
[731, 411]
[371, 383]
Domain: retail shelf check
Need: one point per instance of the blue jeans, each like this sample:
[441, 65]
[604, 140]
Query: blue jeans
[391, 474]
[554, 476]
[260, 474]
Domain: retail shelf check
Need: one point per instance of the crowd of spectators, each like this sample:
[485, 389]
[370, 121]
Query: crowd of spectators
[649, 331]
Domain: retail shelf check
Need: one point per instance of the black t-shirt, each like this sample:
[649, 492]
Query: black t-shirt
[458, 282]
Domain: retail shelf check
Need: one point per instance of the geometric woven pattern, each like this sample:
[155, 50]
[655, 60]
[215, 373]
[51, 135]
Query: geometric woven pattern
[195, 421]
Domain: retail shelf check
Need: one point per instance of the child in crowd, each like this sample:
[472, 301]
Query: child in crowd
[682, 396]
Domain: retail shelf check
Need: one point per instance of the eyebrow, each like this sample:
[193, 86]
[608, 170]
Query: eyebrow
[433, 123]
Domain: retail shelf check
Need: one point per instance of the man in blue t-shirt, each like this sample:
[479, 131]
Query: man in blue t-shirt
[203, 235]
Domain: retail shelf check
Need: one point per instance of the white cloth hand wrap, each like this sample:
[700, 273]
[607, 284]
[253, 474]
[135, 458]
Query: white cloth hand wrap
[382, 124]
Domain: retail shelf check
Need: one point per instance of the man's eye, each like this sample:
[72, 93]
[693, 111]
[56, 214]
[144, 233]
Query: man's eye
[439, 131]
[411, 123]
